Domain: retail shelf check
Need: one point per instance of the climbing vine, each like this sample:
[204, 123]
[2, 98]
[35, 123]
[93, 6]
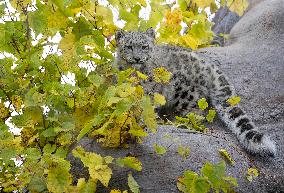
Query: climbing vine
[57, 85]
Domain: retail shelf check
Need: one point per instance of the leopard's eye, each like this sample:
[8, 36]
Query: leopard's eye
[145, 47]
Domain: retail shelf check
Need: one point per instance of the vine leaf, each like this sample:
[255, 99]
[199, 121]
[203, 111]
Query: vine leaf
[133, 185]
[58, 176]
[161, 75]
[211, 115]
[183, 151]
[148, 113]
[234, 100]
[224, 153]
[202, 103]
[252, 173]
[238, 6]
[141, 75]
[97, 165]
[85, 187]
[131, 162]
[159, 149]
[159, 99]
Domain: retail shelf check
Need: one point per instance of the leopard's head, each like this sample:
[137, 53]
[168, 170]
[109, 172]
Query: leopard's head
[135, 48]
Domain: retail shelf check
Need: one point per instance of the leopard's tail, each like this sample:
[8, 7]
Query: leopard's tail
[247, 133]
[253, 140]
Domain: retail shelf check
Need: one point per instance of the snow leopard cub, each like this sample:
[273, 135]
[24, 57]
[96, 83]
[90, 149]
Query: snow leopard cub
[191, 80]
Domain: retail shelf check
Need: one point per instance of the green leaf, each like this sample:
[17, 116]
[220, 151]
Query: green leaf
[122, 107]
[96, 79]
[227, 156]
[202, 103]
[133, 185]
[214, 172]
[211, 115]
[33, 154]
[159, 149]
[58, 177]
[234, 100]
[138, 132]
[141, 75]
[159, 99]
[39, 19]
[186, 182]
[2, 10]
[86, 187]
[37, 184]
[148, 113]
[231, 180]
[131, 162]
[252, 173]
[49, 149]
[51, 132]
[98, 119]
[56, 21]
[183, 151]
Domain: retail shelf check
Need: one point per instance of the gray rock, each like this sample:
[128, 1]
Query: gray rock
[254, 61]
[224, 21]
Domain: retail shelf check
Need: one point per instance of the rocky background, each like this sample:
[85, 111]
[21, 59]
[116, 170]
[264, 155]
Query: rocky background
[253, 58]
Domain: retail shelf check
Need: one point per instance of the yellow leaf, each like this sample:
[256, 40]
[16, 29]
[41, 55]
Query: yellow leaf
[190, 41]
[161, 75]
[139, 91]
[118, 191]
[67, 45]
[142, 2]
[17, 102]
[113, 100]
[131, 162]
[4, 112]
[159, 99]
[234, 100]
[141, 75]
[105, 13]
[135, 129]
[174, 18]
[203, 3]
[227, 156]
[56, 21]
[238, 6]
[97, 165]
[101, 172]
[252, 173]
[125, 90]
[148, 114]
[19, 4]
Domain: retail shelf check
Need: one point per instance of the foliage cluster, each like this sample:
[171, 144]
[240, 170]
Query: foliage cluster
[54, 115]
[212, 177]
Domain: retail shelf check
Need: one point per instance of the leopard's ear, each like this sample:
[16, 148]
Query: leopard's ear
[151, 33]
[119, 34]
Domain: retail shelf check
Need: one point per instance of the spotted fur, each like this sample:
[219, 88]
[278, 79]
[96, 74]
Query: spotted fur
[192, 79]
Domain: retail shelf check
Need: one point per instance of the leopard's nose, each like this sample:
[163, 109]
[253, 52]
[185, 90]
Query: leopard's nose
[137, 59]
